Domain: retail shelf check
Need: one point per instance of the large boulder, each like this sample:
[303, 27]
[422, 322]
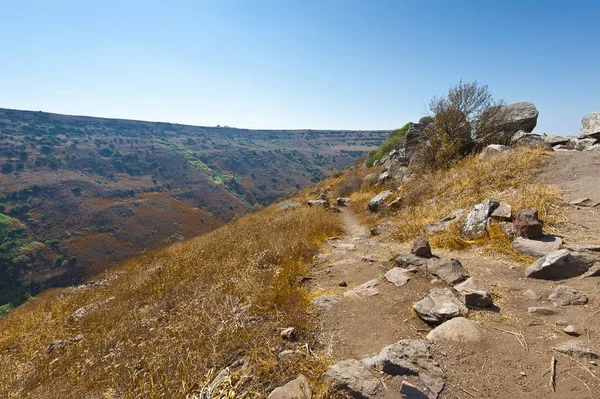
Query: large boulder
[449, 270]
[475, 225]
[527, 224]
[354, 378]
[555, 140]
[556, 265]
[458, 329]
[590, 125]
[439, 305]
[518, 116]
[376, 203]
[295, 389]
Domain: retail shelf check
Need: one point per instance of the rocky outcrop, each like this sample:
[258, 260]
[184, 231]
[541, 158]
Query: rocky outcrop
[439, 305]
[590, 125]
[475, 225]
[413, 139]
[295, 389]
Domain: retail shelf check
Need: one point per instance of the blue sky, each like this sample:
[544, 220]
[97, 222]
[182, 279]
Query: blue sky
[296, 64]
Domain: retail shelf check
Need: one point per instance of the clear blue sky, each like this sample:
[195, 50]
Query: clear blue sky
[296, 64]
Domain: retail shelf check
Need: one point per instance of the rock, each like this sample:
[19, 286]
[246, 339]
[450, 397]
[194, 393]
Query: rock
[383, 177]
[582, 247]
[575, 348]
[439, 305]
[333, 209]
[584, 202]
[474, 293]
[371, 179]
[475, 225]
[343, 283]
[508, 229]
[531, 294]
[77, 338]
[582, 144]
[288, 333]
[586, 258]
[410, 391]
[434, 384]
[295, 389]
[527, 224]
[354, 378]
[539, 247]
[318, 203]
[556, 265]
[325, 302]
[563, 147]
[421, 248]
[290, 353]
[449, 270]
[377, 202]
[590, 125]
[519, 116]
[458, 329]
[445, 223]
[522, 138]
[541, 310]
[396, 203]
[503, 212]
[342, 201]
[565, 296]
[341, 245]
[491, 151]
[366, 289]
[573, 330]
[397, 276]
[593, 271]
[324, 196]
[56, 345]
[413, 139]
[405, 357]
[555, 140]
[406, 261]
[382, 228]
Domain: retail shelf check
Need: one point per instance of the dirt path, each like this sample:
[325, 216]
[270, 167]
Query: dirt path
[355, 326]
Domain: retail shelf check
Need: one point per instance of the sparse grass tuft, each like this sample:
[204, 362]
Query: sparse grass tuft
[175, 315]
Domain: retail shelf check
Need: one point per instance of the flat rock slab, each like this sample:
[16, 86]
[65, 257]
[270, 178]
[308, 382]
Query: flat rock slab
[556, 265]
[410, 391]
[439, 305]
[449, 270]
[397, 276]
[458, 329]
[325, 302]
[365, 289]
[405, 357]
[565, 296]
[354, 378]
[295, 389]
[594, 271]
[409, 260]
[343, 246]
[531, 294]
[538, 247]
[541, 310]
[584, 202]
[576, 348]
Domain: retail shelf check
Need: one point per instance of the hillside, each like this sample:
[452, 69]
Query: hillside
[78, 194]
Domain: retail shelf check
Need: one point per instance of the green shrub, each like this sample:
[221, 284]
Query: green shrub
[76, 190]
[394, 141]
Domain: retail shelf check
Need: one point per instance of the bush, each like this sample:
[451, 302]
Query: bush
[76, 190]
[7, 168]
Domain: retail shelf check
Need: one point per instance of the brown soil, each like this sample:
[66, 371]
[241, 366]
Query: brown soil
[513, 360]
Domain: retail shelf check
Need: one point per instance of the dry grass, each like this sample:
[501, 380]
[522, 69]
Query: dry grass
[175, 316]
[509, 178]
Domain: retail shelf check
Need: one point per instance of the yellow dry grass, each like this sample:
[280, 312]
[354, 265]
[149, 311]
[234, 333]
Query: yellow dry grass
[167, 321]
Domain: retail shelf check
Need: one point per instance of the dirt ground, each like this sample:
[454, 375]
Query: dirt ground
[514, 358]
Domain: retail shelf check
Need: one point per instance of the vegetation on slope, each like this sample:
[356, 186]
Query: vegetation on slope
[164, 323]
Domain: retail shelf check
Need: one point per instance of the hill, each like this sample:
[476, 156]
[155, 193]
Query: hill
[78, 194]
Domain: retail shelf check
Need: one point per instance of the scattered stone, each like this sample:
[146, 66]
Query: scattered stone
[318, 203]
[445, 223]
[527, 224]
[409, 260]
[295, 389]
[384, 227]
[439, 305]
[575, 348]
[421, 248]
[458, 329]
[410, 391]
[324, 196]
[325, 302]
[354, 378]
[503, 212]
[590, 125]
[366, 289]
[594, 271]
[544, 311]
[343, 283]
[397, 276]
[531, 294]
[80, 313]
[405, 357]
[474, 293]
[475, 225]
[369, 258]
[572, 330]
[556, 265]
[288, 334]
[434, 384]
[77, 338]
[584, 202]
[491, 151]
[539, 247]
[56, 345]
[377, 202]
[565, 296]
[342, 201]
[450, 270]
